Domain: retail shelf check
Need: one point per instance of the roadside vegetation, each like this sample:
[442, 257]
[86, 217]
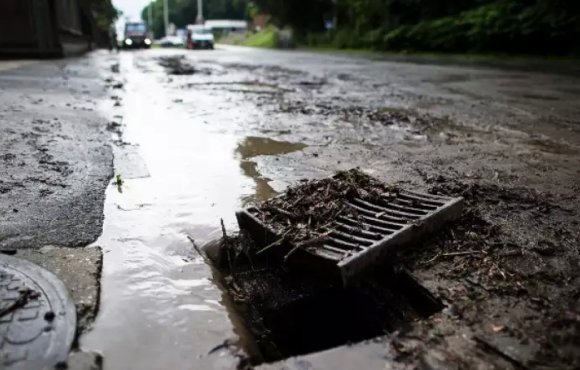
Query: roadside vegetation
[480, 26]
[545, 27]
[267, 38]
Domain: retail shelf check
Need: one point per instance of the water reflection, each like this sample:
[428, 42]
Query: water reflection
[158, 298]
[161, 305]
[253, 146]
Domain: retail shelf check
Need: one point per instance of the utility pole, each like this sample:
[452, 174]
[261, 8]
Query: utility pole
[166, 17]
[199, 19]
[150, 21]
[334, 13]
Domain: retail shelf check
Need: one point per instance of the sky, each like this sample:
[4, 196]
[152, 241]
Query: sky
[131, 8]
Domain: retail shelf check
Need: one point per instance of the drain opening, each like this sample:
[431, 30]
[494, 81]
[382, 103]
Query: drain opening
[312, 269]
[289, 313]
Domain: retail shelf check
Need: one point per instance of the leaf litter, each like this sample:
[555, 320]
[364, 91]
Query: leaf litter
[305, 214]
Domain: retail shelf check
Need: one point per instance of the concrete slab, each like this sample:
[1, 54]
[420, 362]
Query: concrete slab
[80, 271]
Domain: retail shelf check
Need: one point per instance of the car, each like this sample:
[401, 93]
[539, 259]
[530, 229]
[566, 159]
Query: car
[201, 37]
[171, 41]
[136, 36]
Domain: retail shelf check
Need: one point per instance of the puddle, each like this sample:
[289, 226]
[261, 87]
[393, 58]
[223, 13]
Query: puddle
[161, 307]
[254, 146]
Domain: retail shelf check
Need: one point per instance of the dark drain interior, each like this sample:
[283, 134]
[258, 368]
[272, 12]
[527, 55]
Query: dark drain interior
[289, 313]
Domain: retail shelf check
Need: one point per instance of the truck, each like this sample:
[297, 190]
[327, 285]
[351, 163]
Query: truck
[136, 36]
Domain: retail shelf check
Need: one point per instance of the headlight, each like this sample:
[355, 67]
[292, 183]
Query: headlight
[128, 41]
[147, 42]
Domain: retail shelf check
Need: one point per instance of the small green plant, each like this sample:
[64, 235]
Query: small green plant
[119, 183]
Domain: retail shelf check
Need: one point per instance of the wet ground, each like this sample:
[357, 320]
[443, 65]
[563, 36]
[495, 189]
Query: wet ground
[235, 126]
[240, 125]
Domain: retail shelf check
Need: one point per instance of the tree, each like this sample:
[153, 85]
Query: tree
[106, 13]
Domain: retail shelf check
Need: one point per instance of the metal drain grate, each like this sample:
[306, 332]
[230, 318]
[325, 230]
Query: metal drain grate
[379, 227]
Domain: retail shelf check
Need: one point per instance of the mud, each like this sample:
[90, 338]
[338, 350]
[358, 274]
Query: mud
[178, 65]
[290, 314]
[506, 272]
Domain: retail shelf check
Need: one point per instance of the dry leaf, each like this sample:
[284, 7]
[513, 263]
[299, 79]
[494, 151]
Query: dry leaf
[497, 328]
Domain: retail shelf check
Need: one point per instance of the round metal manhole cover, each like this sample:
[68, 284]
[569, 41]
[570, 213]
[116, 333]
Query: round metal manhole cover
[37, 317]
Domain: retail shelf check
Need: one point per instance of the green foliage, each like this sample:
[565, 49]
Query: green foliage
[501, 27]
[521, 26]
[267, 38]
[512, 26]
[104, 11]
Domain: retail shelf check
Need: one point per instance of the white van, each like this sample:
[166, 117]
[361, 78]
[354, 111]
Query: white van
[201, 37]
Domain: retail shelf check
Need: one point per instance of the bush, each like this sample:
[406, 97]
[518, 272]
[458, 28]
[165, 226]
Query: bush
[500, 27]
[374, 39]
[346, 39]
[505, 26]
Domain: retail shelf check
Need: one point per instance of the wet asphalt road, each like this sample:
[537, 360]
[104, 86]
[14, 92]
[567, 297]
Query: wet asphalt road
[55, 157]
[192, 149]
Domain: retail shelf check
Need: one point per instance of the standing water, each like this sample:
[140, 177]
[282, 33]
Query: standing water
[160, 307]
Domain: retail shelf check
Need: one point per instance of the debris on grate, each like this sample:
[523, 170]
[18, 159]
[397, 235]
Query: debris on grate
[344, 225]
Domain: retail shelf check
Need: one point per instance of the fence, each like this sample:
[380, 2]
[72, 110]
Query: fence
[38, 26]
[68, 16]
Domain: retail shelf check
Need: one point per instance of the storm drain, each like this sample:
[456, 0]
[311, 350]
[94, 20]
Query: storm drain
[303, 272]
[363, 231]
[37, 317]
[289, 313]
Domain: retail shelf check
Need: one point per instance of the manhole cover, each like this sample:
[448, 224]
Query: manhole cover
[350, 221]
[37, 317]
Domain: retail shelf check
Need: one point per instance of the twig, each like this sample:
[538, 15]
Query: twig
[512, 253]
[431, 260]
[297, 201]
[282, 212]
[277, 242]
[22, 300]
[319, 239]
[227, 344]
[460, 253]
[452, 254]
[223, 228]
[197, 249]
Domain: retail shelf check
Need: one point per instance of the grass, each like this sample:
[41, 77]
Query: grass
[263, 39]
[233, 39]
[267, 38]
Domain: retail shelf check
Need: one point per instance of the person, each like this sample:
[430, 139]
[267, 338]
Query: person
[189, 42]
[113, 43]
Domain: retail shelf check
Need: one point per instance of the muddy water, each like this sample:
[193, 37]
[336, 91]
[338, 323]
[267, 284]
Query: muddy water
[253, 146]
[160, 307]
